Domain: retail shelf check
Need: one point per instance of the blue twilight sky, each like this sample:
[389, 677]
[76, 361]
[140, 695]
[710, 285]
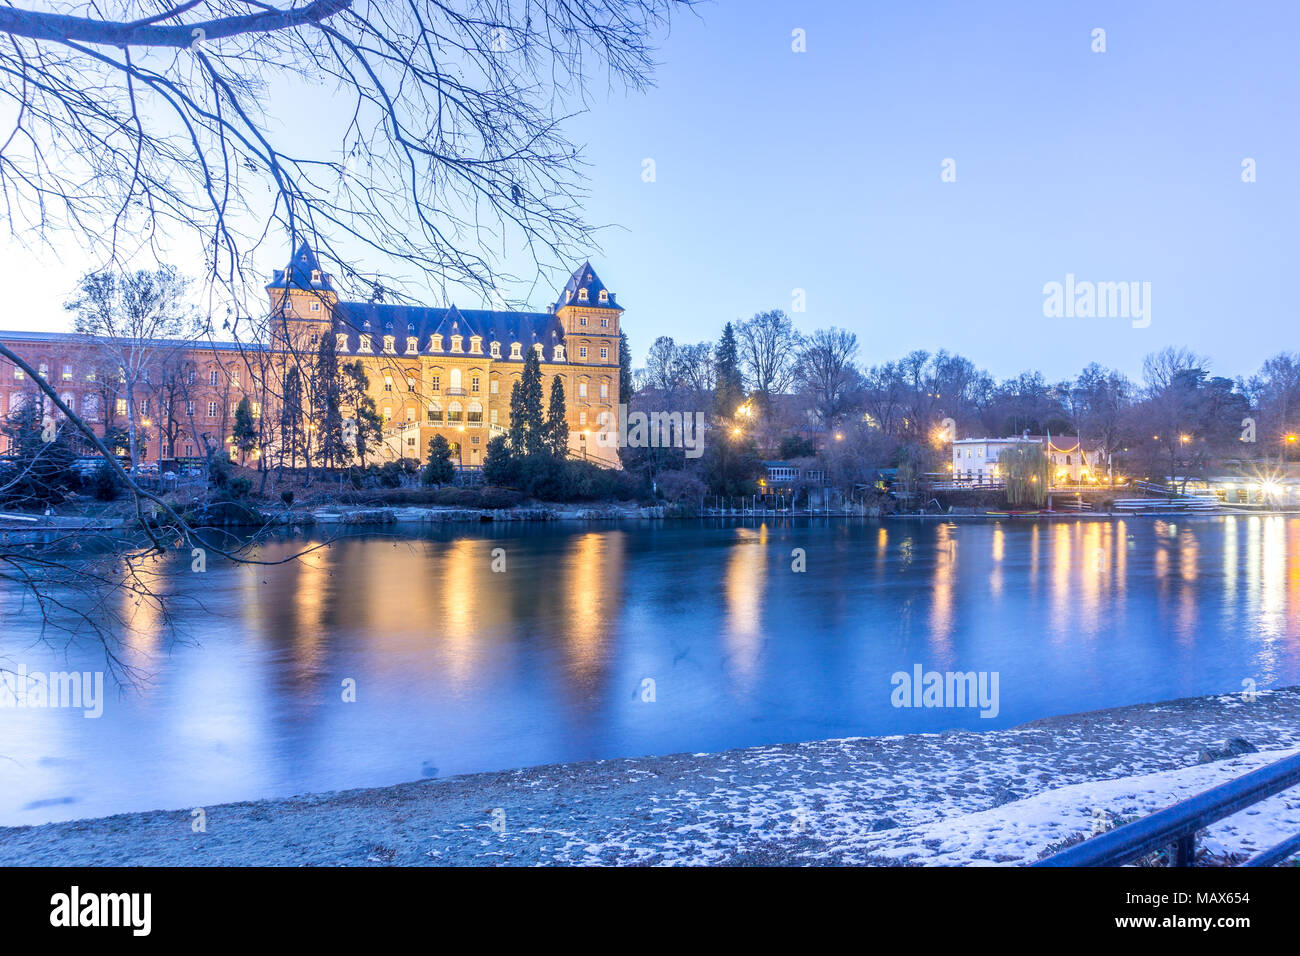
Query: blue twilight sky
[820, 171]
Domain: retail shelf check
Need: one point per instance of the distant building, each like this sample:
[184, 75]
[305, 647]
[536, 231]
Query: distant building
[1070, 461]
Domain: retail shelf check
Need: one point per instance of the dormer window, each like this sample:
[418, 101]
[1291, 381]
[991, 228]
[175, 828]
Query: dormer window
[456, 341]
[495, 349]
[390, 345]
[435, 343]
[582, 295]
[538, 349]
[410, 328]
[365, 345]
[367, 324]
[558, 353]
[515, 352]
[475, 345]
[315, 276]
[604, 295]
[412, 344]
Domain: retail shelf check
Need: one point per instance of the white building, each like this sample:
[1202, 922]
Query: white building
[1070, 463]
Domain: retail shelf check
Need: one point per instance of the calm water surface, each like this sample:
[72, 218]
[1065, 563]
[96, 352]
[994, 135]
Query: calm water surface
[460, 669]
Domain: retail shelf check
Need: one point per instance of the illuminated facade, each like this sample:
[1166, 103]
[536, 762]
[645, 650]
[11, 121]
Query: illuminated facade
[430, 370]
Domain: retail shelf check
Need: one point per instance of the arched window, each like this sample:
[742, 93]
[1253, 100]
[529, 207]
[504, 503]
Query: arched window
[475, 413]
[455, 378]
[435, 411]
[454, 412]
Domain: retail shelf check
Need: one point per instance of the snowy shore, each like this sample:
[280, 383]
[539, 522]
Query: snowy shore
[956, 798]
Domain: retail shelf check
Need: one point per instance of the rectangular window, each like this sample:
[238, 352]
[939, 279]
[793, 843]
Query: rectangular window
[19, 374]
[410, 414]
[189, 409]
[582, 389]
[496, 387]
[257, 409]
[604, 353]
[604, 390]
[189, 377]
[473, 384]
[604, 323]
[234, 378]
[494, 416]
[388, 383]
[412, 344]
[582, 351]
[388, 414]
[212, 409]
[435, 382]
[582, 418]
[44, 369]
[212, 378]
[67, 373]
[121, 406]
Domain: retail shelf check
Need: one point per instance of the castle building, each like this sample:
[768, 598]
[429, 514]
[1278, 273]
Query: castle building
[429, 370]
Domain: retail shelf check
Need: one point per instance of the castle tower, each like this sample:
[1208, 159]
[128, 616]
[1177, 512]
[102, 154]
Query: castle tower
[590, 316]
[302, 301]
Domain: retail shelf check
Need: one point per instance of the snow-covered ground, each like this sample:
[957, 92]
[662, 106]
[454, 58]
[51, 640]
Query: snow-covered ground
[956, 798]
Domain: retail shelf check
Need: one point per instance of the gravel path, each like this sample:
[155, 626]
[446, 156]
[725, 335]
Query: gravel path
[860, 800]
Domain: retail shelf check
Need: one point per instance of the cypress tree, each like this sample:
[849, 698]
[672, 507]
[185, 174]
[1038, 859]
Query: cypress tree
[557, 429]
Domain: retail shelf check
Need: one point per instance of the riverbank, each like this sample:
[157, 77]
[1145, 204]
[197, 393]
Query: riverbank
[929, 799]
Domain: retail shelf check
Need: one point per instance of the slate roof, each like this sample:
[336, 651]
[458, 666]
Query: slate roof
[584, 277]
[423, 322]
[298, 273]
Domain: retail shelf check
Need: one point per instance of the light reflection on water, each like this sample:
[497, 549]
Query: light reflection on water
[459, 668]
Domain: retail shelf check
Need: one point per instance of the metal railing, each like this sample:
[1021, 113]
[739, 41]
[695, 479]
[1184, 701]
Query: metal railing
[1177, 825]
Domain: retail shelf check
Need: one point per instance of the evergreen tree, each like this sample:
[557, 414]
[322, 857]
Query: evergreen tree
[327, 404]
[291, 413]
[557, 428]
[625, 369]
[37, 469]
[245, 432]
[499, 467]
[527, 430]
[369, 423]
[439, 469]
[730, 388]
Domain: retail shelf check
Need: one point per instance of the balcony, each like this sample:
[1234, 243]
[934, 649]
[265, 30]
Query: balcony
[456, 391]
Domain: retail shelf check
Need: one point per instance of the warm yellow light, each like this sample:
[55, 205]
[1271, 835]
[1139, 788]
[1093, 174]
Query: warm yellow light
[1290, 438]
[839, 437]
[735, 431]
[1184, 438]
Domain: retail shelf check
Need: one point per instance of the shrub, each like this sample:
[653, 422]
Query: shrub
[104, 483]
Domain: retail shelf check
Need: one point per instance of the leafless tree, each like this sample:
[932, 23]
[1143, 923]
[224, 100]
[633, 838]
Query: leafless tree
[768, 345]
[140, 321]
[438, 128]
[824, 370]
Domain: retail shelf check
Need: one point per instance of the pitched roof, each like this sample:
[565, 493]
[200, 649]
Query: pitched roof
[423, 322]
[584, 277]
[303, 272]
